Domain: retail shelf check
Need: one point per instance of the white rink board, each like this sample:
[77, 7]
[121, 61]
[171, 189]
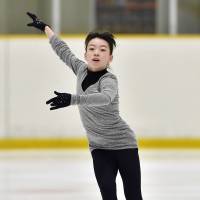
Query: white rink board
[2, 87]
[158, 84]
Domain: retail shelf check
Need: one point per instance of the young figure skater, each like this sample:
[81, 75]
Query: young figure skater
[112, 143]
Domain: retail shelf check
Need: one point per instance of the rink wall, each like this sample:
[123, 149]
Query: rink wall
[159, 88]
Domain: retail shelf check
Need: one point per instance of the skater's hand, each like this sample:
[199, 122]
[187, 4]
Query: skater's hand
[37, 23]
[60, 101]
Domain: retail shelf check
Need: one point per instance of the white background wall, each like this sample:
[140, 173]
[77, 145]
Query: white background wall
[159, 87]
[2, 73]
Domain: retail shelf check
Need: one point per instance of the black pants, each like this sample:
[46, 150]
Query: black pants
[106, 165]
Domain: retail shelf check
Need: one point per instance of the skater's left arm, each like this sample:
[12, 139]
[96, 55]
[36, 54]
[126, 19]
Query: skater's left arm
[108, 91]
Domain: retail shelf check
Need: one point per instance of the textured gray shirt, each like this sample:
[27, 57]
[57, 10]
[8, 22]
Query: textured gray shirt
[98, 105]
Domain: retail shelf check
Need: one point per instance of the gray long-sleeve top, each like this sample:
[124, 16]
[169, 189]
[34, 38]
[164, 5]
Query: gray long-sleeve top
[98, 104]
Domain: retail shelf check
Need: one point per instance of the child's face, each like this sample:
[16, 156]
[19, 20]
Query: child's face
[97, 54]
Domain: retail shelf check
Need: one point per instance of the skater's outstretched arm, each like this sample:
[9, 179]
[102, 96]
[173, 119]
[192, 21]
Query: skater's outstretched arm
[108, 91]
[49, 32]
[59, 46]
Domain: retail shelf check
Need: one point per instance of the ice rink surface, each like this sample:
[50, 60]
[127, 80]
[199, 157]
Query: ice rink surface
[68, 175]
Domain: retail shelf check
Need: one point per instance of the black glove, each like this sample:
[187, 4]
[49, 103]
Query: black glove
[37, 23]
[60, 101]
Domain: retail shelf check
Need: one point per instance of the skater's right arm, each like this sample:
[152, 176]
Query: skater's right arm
[65, 54]
[49, 32]
[59, 46]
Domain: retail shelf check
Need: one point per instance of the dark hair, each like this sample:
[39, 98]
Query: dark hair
[107, 36]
